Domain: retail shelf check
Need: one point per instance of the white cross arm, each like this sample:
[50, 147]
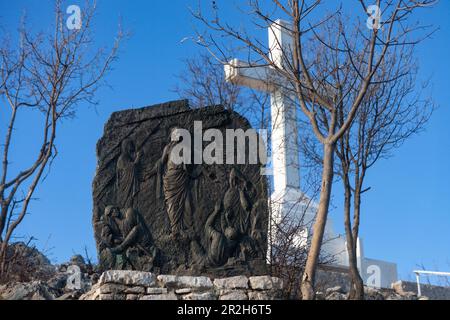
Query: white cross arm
[261, 78]
[255, 77]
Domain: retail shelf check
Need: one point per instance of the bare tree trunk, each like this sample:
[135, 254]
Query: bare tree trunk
[309, 274]
[357, 282]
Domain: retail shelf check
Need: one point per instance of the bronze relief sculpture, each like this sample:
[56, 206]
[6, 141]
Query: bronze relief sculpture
[153, 214]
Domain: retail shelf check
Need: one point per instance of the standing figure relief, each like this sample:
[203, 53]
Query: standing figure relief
[176, 180]
[127, 173]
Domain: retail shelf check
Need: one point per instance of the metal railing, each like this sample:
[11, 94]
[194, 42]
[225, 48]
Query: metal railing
[434, 273]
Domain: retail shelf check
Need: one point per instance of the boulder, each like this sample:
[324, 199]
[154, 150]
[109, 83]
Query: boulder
[167, 296]
[233, 295]
[172, 281]
[266, 283]
[35, 290]
[238, 282]
[129, 278]
[200, 296]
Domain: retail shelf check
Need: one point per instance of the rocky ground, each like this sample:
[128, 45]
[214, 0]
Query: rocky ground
[78, 280]
[337, 293]
[33, 277]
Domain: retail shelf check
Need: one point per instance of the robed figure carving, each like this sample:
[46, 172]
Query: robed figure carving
[127, 171]
[177, 183]
[236, 204]
[222, 242]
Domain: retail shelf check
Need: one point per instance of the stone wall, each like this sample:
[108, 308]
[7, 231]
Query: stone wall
[137, 285]
[429, 291]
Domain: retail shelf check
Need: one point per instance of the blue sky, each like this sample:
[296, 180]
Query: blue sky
[406, 214]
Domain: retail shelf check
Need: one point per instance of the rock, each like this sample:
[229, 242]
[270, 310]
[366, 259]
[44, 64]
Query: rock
[74, 295]
[93, 294]
[200, 296]
[35, 290]
[336, 296]
[239, 282]
[399, 288]
[58, 281]
[112, 296]
[334, 289]
[62, 268]
[135, 290]
[28, 264]
[132, 297]
[233, 295]
[266, 283]
[320, 295]
[167, 296]
[393, 296]
[130, 278]
[183, 291]
[156, 290]
[172, 281]
[259, 295]
[112, 288]
[373, 294]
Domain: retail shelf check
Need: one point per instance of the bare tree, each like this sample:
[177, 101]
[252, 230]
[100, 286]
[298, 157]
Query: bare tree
[47, 75]
[331, 58]
[390, 113]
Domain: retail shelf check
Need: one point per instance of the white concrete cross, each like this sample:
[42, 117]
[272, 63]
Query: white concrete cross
[284, 135]
[287, 199]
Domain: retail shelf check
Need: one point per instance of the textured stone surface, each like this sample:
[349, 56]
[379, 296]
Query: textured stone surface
[334, 289]
[126, 277]
[183, 291]
[167, 296]
[170, 287]
[265, 283]
[233, 295]
[36, 290]
[135, 290]
[260, 295]
[173, 281]
[113, 288]
[113, 296]
[93, 294]
[167, 212]
[238, 282]
[336, 296]
[156, 290]
[200, 296]
[373, 294]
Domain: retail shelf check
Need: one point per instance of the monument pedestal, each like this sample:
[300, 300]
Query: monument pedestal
[138, 285]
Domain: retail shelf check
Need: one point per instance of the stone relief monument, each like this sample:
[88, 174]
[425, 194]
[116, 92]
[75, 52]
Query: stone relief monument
[153, 214]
